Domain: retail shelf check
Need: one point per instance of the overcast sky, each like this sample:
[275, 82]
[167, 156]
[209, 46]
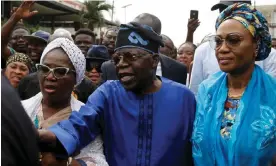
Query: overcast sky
[174, 15]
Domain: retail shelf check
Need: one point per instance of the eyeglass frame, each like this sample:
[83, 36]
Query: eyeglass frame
[241, 38]
[51, 70]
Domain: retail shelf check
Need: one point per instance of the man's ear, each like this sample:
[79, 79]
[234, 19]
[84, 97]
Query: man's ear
[156, 59]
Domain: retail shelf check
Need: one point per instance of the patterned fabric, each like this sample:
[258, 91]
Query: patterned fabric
[229, 116]
[253, 135]
[254, 21]
[20, 57]
[73, 52]
[92, 154]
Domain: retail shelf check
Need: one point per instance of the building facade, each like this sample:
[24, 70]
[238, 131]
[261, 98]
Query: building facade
[269, 11]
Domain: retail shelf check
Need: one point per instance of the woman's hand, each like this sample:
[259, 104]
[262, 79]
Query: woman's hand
[24, 10]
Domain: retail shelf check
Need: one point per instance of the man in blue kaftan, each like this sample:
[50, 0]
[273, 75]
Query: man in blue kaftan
[144, 119]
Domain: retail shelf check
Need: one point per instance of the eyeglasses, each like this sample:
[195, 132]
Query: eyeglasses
[58, 72]
[128, 57]
[232, 40]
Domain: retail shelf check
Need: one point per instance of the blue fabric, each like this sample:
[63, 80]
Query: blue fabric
[153, 129]
[253, 135]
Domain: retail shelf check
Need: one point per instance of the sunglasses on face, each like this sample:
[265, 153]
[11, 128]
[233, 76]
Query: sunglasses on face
[58, 72]
[127, 57]
[94, 65]
[232, 40]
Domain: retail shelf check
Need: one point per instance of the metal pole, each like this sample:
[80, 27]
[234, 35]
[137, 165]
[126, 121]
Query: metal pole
[125, 9]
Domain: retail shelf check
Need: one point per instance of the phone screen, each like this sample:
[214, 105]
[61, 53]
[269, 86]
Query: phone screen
[193, 14]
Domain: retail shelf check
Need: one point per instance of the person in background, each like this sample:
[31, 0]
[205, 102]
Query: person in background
[18, 136]
[167, 67]
[136, 102]
[60, 32]
[29, 85]
[109, 39]
[236, 113]
[186, 56]
[36, 44]
[17, 67]
[17, 41]
[186, 53]
[274, 43]
[12, 32]
[95, 57]
[84, 39]
[168, 48]
[205, 63]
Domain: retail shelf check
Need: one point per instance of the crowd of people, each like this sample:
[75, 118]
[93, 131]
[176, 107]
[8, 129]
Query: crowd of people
[136, 99]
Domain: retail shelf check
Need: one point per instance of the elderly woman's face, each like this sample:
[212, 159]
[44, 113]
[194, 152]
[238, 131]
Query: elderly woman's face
[236, 48]
[53, 88]
[15, 71]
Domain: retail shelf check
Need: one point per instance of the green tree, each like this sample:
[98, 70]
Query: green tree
[93, 15]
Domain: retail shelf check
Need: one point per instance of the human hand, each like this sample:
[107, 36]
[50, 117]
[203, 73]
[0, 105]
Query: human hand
[49, 159]
[23, 11]
[193, 24]
[47, 140]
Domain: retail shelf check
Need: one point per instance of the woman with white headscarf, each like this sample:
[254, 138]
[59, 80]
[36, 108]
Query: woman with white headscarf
[62, 66]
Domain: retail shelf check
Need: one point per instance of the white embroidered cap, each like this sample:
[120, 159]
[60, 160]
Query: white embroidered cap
[73, 52]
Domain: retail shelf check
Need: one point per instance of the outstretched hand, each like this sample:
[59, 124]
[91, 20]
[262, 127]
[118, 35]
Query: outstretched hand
[24, 10]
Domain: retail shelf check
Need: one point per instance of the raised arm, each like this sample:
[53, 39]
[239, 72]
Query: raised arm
[192, 26]
[22, 12]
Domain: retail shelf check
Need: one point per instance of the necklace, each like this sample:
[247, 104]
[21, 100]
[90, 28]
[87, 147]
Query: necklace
[235, 96]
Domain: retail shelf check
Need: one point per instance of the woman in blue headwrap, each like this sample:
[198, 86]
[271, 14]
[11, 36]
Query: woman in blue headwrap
[236, 108]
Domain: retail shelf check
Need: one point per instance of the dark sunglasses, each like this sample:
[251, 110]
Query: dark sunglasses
[94, 65]
[232, 40]
[58, 72]
[127, 57]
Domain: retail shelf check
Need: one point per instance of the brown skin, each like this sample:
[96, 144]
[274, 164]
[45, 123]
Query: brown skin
[22, 12]
[168, 48]
[35, 49]
[137, 75]
[274, 44]
[186, 54]
[84, 42]
[63, 87]
[17, 42]
[192, 26]
[15, 72]
[60, 98]
[239, 61]
[144, 81]
[109, 41]
[94, 76]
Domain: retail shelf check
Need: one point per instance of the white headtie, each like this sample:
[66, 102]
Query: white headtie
[73, 52]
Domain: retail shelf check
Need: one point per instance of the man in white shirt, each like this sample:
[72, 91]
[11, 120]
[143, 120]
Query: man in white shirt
[205, 62]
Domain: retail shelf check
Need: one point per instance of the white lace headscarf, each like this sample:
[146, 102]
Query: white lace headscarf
[73, 52]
